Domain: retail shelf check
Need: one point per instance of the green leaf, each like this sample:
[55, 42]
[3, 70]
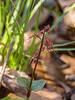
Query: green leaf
[18, 99]
[6, 98]
[38, 85]
[9, 98]
[23, 81]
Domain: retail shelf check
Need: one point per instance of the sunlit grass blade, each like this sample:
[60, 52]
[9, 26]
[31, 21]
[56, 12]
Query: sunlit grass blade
[5, 7]
[15, 12]
[11, 23]
[36, 8]
[26, 11]
[60, 18]
[61, 49]
[64, 44]
[53, 10]
[0, 19]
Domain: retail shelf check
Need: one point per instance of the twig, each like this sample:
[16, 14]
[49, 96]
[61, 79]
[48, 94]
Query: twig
[68, 95]
[4, 45]
[6, 61]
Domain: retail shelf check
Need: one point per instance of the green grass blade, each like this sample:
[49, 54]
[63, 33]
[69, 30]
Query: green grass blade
[11, 23]
[36, 8]
[64, 44]
[53, 10]
[15, 12]
[52, 27]
[0, 18]
[61, 49]
[26, 11]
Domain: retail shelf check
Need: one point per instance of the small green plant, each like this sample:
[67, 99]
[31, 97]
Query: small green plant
[30, 84]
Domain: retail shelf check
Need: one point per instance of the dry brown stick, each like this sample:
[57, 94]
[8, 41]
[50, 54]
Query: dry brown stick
[13, 86]
[4, 45]
[6, 61]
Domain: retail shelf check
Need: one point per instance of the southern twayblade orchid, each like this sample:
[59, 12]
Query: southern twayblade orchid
[38, 52]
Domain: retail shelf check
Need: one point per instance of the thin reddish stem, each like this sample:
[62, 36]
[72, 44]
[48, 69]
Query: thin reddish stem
[29, 91]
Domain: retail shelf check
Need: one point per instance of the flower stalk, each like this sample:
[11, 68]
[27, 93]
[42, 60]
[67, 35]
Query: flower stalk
[29, 91]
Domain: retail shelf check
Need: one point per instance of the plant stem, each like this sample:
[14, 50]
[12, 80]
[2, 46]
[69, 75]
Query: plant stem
[29, 91]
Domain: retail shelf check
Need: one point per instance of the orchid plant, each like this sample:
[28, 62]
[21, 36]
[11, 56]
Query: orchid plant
[31, 84]
[38, 52]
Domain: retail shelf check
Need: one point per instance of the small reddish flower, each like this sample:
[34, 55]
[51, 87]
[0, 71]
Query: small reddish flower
[47, 28]
[42, 31]
[36, 34]
[33, 57]
[49, 45]
[43, 48]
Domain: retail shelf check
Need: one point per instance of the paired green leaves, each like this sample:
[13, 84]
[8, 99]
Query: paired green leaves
[36, 85]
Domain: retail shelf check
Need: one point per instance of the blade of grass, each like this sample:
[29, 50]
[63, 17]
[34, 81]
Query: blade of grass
[53, 10]
[52, 27]
[4, 13]
[0, 18]
[12, 22]
[64, 44]
[36, 8]
[61, 49]
[26, 11]
[32, 45]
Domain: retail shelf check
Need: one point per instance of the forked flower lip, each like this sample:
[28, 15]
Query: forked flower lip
[47, 28]
[42, 31]
[33, 57]
[49, 45]
[36, 35]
